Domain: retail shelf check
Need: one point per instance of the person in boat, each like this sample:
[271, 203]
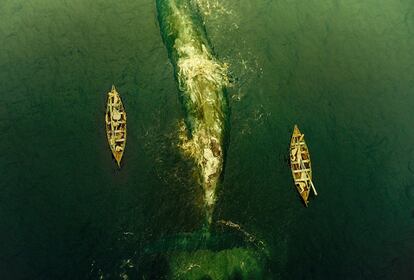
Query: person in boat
[297, 155]
[301, 186]
[116, 117]
[112, 142]
[114, 97]
[119, 136]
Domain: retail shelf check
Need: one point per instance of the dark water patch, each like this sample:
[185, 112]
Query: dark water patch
[409, 191]
[411, 163]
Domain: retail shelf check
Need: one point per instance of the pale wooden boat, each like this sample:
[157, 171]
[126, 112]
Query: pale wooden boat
[300, 164]
[115, 123]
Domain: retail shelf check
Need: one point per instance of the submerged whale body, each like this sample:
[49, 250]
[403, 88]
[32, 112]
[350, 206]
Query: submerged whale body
[202, 82]
[220, 253]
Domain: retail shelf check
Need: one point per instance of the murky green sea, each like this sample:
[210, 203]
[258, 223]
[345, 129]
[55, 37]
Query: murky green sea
[342, 70]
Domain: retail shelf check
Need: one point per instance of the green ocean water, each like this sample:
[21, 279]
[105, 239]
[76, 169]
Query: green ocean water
[342, 70]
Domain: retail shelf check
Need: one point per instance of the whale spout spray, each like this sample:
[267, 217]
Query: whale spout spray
[202, 82]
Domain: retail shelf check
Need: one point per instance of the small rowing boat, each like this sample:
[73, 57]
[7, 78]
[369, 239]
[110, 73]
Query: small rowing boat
[300, 164]
[115, 123]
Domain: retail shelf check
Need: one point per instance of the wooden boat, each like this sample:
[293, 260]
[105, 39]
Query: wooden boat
[300, 164]
[115, 123]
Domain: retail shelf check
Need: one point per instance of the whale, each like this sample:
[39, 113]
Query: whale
[202, 82]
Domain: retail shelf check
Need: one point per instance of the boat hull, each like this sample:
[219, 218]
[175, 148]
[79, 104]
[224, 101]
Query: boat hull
[300, 165]
[115, 124]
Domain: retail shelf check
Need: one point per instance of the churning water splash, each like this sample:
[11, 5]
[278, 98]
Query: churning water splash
[202, 81]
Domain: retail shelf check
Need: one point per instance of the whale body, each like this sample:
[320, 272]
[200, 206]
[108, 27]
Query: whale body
[202, 81]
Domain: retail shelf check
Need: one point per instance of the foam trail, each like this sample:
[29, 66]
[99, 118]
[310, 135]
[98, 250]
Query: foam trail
[202, 82]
